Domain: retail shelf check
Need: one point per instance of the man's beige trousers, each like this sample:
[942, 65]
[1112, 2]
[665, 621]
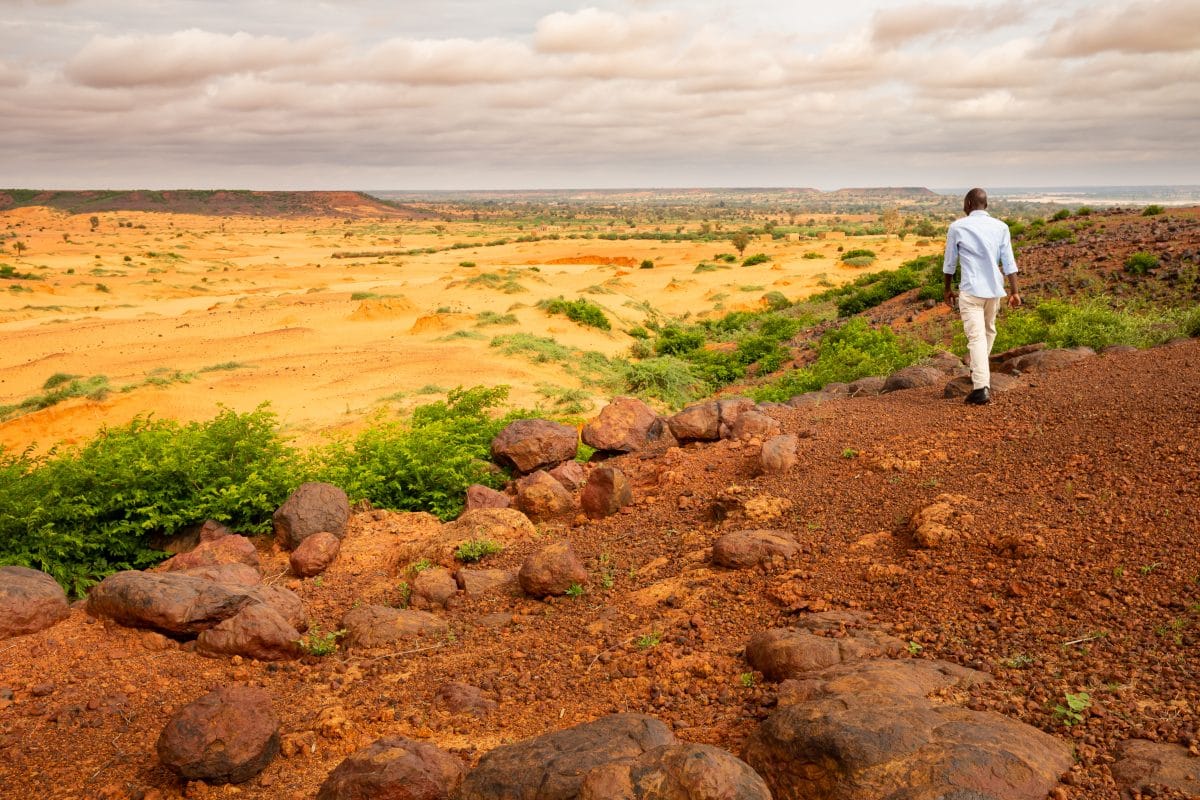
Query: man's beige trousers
[979, 324]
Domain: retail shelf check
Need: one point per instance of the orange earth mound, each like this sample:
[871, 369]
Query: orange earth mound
[258, 310]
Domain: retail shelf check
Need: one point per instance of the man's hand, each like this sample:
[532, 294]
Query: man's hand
[1014, 300]
[951, 297]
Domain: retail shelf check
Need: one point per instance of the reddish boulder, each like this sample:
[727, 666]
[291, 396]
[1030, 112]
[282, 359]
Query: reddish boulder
[912, 378]
[554, 765]
[480, 496]
[394, 768]
[741, 549]
[753, 425]
[729, 410]
[551, 571]
[607, 492]
[432, 588]
[697, 423]
[779, 454]
[624, 425]
[1048, 360]
[866, 387]
[539, 495]
[570, 474]
[167, 601]
[30, 601]
[379, 626]
[478, 582]
[257, 631]
[228, 549]
[232, 574]
[462, 698]
[531, 444]
[226, 736]
[784, 653]
[314, 555]
[1142, 764]
[676, 772]
[286, 602]
[312, 508]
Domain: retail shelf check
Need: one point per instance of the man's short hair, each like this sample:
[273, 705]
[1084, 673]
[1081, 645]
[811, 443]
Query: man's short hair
[976, 198]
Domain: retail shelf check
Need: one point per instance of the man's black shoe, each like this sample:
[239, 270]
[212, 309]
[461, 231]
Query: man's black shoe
[979, 397]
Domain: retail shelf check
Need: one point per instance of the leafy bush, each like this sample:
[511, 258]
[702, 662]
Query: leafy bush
[1058, 233]
[810, 255]
[647, 264]
[757, 258]
[776, 301]
[853, 351]
[858, 252]
[1152, 210]
[667, 378]
[423, 464]
[492, 318]
[1092, 323]
[1061, 214]
[1140, 263]
[582, 311]
[869, 291]
[82, 514]
[57, 388]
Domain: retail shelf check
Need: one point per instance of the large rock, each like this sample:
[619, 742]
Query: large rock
[380, 626]
[314, 555]
[232, 574]
[228, 549]
[478, 582]
[697, 423]
[312, 508]
[676, 772]
[503, 525]
[462, 698]
[741, 549]
[962, 386]
[554, 765]
[166, 601]
[532, 444]
[480, 496]
[30, 601]
[257, 631]
[866, 731]
[866, 387]
[1047, 360]
[913, 378]
[1141, 764]
[433, 588]
[607, 491]
[226, 736]
[729, 411]
[623, 426]
[570, 474]
[783, 653]
[539, 495]
[552, 571]
[286, 602]
[754, 425]
[779, 454]
[394, 768]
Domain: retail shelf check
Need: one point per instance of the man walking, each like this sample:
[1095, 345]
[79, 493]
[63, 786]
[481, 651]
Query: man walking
[977, 243]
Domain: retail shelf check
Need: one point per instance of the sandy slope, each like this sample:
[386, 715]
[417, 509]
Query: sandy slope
[267, 294]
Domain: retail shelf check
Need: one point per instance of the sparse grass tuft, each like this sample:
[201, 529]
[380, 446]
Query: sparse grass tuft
[474, 550]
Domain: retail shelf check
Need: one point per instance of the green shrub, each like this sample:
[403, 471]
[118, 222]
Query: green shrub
[81, 514]
[59, 387]
[582, 311]
[812, 256]
[1140, 263]
[492, 318]
[776, 301]
[858, 252]
[1152, 210]
[674, 340]
[1061, 214]
[647, 264]
[316, 643]
[1058, 234]
[853, 351]
[667, 378]
[424, 463]
[474, 550]
[1083, 211]
[1091, 323]
[466, 263]
[757, 258]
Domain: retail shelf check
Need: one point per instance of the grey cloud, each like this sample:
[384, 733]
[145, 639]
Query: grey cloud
[1158, 26]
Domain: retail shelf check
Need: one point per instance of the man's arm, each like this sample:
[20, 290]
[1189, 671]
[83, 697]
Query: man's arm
[1014, 295]
[1008, 265]
[949, 265]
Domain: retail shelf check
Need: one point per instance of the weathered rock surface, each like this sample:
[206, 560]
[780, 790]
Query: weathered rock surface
[314, 555]
[312, 508]
[553, 766]
[228, 549]
[394, 768]
[866, 731]
[167, 601]
[30, 601]
[1046, 360]
[866, 387]
[462, 698]
[379, 626]
[480, 496]
[1141, 764]
[913, 378]
[257, 631]
[783, 653]
[433, 588]
[753, 425]
[226, 736]
[479, 582]
[729, 411]
[532, 444]
[286, 602]
[539, 495]
[570, 474]
[676, 772]
[697, 423]
[940, 522]
[623, 426]
[607, 492]
[551, 571]
[503, 525]
[741, 549]
[961, 386]
[809, 399]
[779, 454]
[232, 574]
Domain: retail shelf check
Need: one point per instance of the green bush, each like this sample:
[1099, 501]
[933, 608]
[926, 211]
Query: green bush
[84, 513]
[1152, 210]
[1061, 214]
[647, 264]
[424, 463]
[858, 252]
[1091, 323]
[776, 301]
[1140, 263]
[1058, 234]
[853, 351]
[757, 258]
[59, 387]
[672, 380]
[474, 550]
[582, 311]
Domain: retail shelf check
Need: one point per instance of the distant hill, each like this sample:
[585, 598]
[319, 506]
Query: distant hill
[219, 202]
[887, 192]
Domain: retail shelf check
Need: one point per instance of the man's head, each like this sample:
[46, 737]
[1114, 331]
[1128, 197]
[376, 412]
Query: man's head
[975, 200]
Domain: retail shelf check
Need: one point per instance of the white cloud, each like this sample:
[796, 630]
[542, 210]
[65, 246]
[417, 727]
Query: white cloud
[1157, 26]
[591, 30]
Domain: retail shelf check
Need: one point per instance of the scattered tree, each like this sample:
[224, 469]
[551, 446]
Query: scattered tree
[740, 241]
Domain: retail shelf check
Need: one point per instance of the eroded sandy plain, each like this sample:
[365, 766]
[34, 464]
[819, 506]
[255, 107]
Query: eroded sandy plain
[252, 310]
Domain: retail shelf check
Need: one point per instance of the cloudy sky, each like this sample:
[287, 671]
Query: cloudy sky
[446, 94]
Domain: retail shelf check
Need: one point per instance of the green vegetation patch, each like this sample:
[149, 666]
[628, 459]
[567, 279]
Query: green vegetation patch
[869, 291]
[582, 311]
[56, 389]
[1094, 323]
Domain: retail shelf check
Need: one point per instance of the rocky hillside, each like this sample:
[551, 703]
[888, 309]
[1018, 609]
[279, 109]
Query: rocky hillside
[882, 596]
[218, 203]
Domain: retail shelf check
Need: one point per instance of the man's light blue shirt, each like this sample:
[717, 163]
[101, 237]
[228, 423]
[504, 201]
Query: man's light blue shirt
[977, 243]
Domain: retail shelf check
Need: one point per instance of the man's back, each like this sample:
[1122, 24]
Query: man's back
[978, 242]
